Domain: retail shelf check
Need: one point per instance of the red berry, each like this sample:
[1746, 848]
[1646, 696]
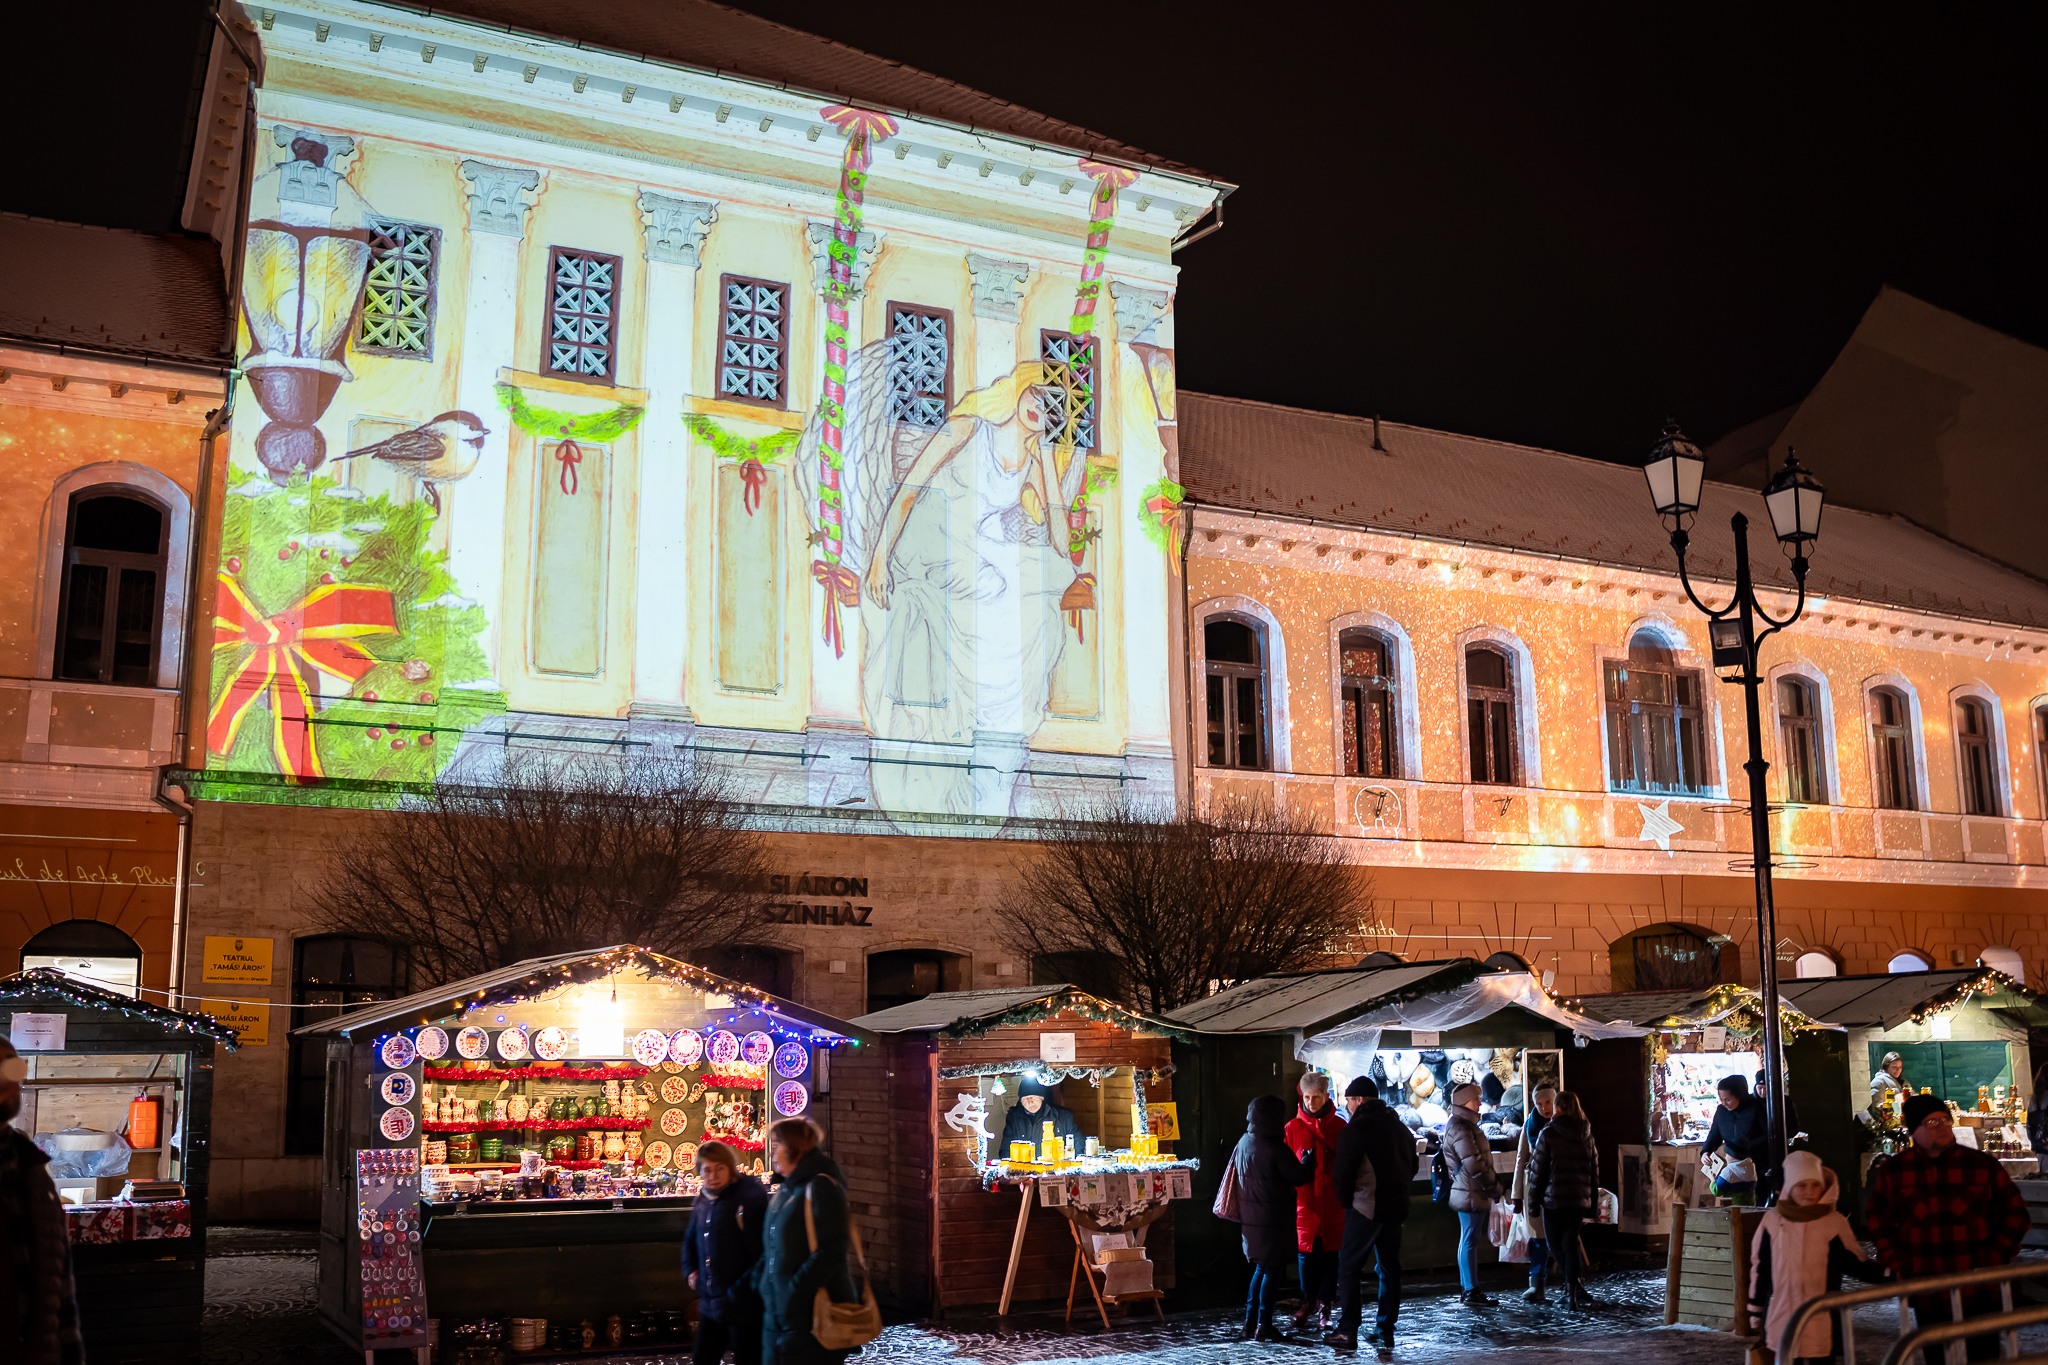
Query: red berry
[346, 561]
[234, 564]
[284, 554]
[426, 741]
[374, 732]
[369, 696]
[327, 578]
[398, 743]
[292, 544]
[426, 696]
[326, 553]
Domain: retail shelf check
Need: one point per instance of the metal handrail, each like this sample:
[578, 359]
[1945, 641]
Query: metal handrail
[1952, 1284]
[1941, 1333]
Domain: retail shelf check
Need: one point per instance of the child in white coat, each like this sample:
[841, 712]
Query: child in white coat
[1801, 1250]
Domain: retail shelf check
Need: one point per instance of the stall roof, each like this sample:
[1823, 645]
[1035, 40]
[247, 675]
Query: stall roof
[44, 983]
[1308, 1000]
[962, 1012]
[1643, 1007]
[1877, 1001]
[441, 1000]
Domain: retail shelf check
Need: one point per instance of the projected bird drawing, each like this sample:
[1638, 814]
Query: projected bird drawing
[435, 452]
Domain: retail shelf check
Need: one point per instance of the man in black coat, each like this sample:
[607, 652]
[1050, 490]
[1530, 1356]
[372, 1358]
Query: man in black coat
[1033, 1110]
[1375, 1169]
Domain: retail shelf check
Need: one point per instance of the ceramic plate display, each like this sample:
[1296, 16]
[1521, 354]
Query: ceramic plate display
[791, 1098]
[674, 1121]
[398, 1052]
[757, 1048]
[650, 1045]
[398, 1088]
[656, 1155]
[550, 1044]
[686, 1046]
[396, 1125]
[432, 1043]
[472, 1042]
[686, 1155]
[512, 1044]
[791, 1060]
[675, 1090]
[672, 1068]
[725, 1048]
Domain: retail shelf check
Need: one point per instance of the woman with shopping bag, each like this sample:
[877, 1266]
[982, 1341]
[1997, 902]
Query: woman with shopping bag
[1742, 1128]
[810, 1312]
[1542, 1108]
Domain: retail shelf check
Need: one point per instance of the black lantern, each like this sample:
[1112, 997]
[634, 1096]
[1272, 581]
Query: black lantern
[1675, 469]
[1794, 498]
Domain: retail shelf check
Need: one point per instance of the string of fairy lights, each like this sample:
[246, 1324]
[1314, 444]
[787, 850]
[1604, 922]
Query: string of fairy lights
[40, 983]
[1070, 1001]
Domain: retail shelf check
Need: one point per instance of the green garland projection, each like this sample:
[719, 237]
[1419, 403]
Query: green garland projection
[537, 421]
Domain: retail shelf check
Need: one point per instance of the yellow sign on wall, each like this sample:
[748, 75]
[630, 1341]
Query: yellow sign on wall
[246, 960]
[248, 1018]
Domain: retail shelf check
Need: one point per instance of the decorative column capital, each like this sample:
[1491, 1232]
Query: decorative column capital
[676, 227]
[998, 286]
[1137, 310]
[495, 205]
[314, 168]
[866, 245]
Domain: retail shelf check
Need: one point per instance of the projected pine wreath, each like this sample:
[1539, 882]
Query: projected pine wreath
[341, 647]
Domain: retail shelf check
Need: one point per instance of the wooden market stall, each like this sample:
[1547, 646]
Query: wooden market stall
[120, 1092]
[950, 1222]
[512, 1157]
[1416, 1029]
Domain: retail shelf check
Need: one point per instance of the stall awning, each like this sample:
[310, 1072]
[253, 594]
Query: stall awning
[1693, 1007]
[960, 1013]
[1468, 1003]
[1889, 1000]
[42, 984]
[524, 980]
[1298, 1001]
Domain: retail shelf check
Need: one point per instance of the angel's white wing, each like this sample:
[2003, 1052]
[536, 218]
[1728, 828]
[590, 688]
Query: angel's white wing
[867, 477]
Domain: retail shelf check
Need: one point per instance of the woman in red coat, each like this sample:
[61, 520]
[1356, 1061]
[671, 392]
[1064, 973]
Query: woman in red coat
[1318, 1206]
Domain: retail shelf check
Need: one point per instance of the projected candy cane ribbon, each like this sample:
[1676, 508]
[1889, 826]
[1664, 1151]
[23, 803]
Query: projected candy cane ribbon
[1101, 218]
[314, 634]
[842, 586]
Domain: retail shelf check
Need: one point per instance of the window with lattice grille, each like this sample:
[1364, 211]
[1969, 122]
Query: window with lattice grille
[753, 351]
[398, 292]
[920, 365]
[583, 297]
[1070, 377]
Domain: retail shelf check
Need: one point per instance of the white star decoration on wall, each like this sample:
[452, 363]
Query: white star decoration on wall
[1658, 826]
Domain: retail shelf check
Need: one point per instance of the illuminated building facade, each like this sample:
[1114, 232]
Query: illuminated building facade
[666, 384]
[1475, 663]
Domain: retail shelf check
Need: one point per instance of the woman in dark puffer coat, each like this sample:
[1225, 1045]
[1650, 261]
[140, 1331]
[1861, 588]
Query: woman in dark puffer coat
[1564, 1179]
[1268, 1174]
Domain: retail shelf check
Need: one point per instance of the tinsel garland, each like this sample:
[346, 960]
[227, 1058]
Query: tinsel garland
[1989, 980]
[596, 426]
[725, 1080]
[995, 1173]
[38, 983]
[1074, 1001]
[538, 1125]
[1095, 1074]
[537, 1073]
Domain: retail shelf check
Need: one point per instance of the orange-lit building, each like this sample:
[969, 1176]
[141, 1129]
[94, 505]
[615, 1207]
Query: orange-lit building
[1476, 663]
[113, 357]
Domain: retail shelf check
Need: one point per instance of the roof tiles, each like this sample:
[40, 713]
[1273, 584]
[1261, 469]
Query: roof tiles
[108, 289]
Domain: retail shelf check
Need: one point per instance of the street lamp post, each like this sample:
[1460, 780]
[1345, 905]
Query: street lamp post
[1793, 498]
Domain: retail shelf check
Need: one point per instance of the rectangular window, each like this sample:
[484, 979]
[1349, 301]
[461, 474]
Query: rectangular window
[1236, 721]
[1799, 743]
[1654, 733]
[1980, 791]
[583, 297]
[920, 365]
[1368, 739]
[1069, 363]
[753, 350]
[398, 292]
[1893, 742]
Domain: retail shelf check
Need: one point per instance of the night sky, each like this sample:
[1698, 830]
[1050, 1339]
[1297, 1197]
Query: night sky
[1549, 226]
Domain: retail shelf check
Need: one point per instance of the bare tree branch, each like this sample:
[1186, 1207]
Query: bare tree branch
[1151, 908]
[556, 855]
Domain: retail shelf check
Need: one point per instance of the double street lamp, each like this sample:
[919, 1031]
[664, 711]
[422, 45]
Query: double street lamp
[1675, 470]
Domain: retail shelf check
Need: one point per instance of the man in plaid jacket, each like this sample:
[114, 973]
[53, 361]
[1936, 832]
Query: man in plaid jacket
[1939, 1207]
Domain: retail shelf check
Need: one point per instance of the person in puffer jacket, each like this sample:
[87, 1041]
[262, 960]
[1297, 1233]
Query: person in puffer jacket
[1801, 1250]
[719, 1254]
[1473, 1187]
[1564, 1181]
[1268, 1174]
[1318, 1209]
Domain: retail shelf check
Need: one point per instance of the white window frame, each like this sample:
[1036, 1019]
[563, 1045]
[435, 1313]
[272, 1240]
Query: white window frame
[1824, 704]
[1522, 679]
[1915, 728]
[1713, 761]
[160, 488]
[1273, 643]
[2001, 774]
[1407, 720]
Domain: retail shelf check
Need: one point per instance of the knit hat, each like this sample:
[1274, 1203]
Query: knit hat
[1362, 1087]
[1463, 1094]
[1916, 1110]
[1803, 1166]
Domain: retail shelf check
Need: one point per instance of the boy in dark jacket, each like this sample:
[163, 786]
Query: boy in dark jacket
[719, 1254]
[1268, 1174]
[1376, 1165]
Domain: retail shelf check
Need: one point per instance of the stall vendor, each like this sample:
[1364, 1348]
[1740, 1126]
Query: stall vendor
[1033, 1110]
[1886, 1086]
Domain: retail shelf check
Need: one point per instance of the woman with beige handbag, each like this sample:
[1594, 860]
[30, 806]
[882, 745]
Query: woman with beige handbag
[810, 1312]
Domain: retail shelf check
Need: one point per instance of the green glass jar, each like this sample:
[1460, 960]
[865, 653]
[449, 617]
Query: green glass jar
[558, 1109]
[589, 1107]
[604, 1107]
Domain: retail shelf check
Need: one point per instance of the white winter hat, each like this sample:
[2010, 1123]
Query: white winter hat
[1804, 1166]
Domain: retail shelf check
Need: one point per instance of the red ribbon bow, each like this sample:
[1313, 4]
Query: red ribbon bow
[313, 635]
[1108, 179]
[842, 589]
[1167, 511]
[863, 128]
[754, 475]
[570, 454]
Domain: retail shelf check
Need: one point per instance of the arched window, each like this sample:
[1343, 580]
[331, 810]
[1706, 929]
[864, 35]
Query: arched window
[332, 973]
[1368, 738]
[111, 613]
[898, 976]
[1490, 716]
[1671, 957]
[1815, 964]
[2004, 960]
[1236, 686]
[1978, 772]
[1799, 743]
[1891, 739]
[1909, 961]
[89, 951]
[1655, 742]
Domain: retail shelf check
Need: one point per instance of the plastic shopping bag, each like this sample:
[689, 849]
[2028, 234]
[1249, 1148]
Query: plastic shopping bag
[1499, 1223]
